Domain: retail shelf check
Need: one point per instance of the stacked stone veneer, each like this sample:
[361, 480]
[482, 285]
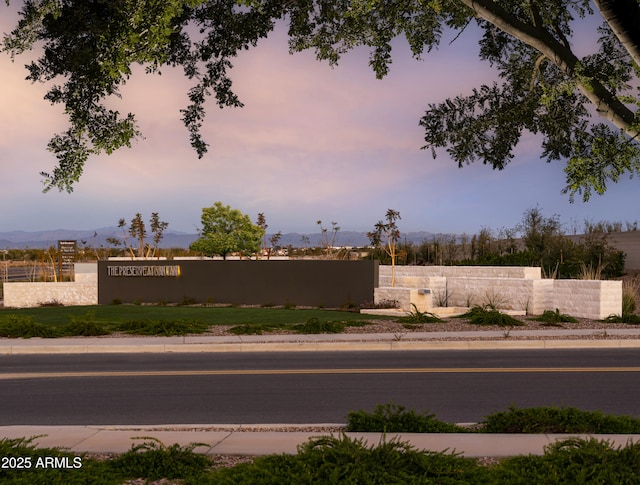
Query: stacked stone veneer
[588, 298]
[509, 288]
[82, 291]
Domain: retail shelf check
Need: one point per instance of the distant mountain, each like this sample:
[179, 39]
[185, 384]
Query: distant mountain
[176, 239]
[92, 238]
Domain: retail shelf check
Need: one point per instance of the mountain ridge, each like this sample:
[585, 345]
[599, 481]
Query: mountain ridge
[176, 239]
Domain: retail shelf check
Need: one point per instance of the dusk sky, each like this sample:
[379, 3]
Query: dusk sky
[311, 143]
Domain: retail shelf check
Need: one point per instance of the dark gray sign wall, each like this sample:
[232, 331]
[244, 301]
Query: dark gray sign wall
[298, 282]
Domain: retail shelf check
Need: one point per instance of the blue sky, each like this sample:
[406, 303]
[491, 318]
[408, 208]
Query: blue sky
[312, 143]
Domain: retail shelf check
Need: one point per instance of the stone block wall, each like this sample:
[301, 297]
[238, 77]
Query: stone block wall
[437, 284]
[530, 295]
[25, 295]
[86, 278]
[405, 298]
[509, 288]
[587, 298]
[525, 272]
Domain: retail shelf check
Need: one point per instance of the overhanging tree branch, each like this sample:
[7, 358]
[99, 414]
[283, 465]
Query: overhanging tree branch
[623, 17]
[607, 105]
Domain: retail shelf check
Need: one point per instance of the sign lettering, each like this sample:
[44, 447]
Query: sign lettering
[144, 271]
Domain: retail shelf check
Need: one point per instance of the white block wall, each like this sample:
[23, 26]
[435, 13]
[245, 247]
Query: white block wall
[530, 295]
[510, 288]
[86, 278]
[463, 271]
[437, 284]
[25, 295]
[406, 298]
[587, 298]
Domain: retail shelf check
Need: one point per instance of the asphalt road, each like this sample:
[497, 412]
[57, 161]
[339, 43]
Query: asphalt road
[249, 388]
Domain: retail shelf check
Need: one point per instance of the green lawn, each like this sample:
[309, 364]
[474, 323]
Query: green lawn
[117, 314]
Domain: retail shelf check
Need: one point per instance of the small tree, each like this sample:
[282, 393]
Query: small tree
[387, 235]
[262, 223]
[225, 231]
[138, 231]
[328, 239]
[274, 240]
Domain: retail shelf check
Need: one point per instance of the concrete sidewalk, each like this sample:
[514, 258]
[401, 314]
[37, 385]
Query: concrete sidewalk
[507, 339]
[231, 440]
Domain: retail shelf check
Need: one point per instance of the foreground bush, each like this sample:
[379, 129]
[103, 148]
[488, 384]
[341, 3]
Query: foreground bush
[389, 418]
[573, 461]
[20, 326]
[154, 461]
[330, 460]
[165, 328]
[416, 316]
[487, 315]
[341, 460]
[554, 317]
[558, 420]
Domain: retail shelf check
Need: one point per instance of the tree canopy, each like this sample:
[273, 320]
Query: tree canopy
[586, 108]
[225, 231]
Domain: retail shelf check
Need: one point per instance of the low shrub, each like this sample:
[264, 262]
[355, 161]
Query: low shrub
[152, 460]
[416, 316]
[573, 460]
[84, 326]
[484, 315]
[50, 303]
[330, 459]
[631, 319]
[390, 418]
[254, 328]
[382, 304]
[558, 420]
[554, 317]
[81, 470]
[315, 326]
[22, 326]
[83, 329]
[165, 328]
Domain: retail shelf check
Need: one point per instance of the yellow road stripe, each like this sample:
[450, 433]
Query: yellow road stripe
[251, 372]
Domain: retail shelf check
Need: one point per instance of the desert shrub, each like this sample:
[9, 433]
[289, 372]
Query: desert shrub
[343, 460]
[315, 326]
[382, 304]
[83, 471]
[631, 319]
[23, 326]
[254, 328]
[483, 315]
[554, 317]
[573, 460]
[50, 303]
[83, 329]
[391, 418]
[558, 420]
[83, 325]
[153, 460]
[162, 327]
[416, 316]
